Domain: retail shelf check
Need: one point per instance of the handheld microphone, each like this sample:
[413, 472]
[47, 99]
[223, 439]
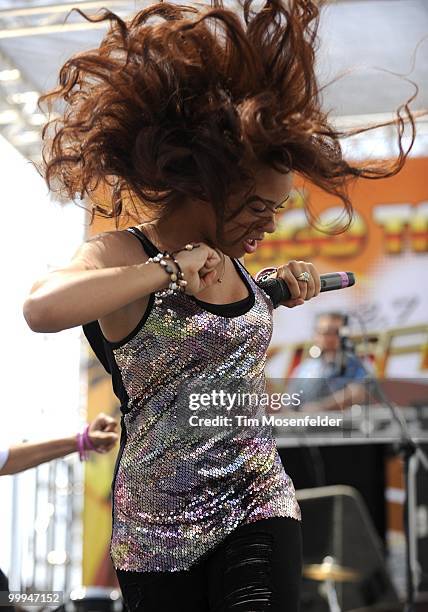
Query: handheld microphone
[277, 289]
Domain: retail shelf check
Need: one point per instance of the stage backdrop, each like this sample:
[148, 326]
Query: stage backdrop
[386, 248]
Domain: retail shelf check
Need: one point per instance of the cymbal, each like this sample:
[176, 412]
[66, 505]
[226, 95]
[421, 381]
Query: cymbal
[330, 571]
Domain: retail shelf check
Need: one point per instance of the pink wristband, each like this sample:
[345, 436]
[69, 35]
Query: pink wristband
[87, 443]
[80, 447]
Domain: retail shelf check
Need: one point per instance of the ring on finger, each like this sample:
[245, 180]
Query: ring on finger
[304, 276]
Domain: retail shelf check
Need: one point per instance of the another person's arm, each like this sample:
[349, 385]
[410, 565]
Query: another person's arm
[102, 434]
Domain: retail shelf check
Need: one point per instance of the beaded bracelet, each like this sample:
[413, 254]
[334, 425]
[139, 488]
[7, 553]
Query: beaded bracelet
[177, 282]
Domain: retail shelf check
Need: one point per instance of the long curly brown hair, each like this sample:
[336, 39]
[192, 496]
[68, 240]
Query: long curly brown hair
[180, 101]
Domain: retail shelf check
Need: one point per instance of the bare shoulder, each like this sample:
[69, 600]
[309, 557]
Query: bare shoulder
[108, 250]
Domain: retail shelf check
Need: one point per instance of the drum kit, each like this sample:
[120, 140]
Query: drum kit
[328, 573]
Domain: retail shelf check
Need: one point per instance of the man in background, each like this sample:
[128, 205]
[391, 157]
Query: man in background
[333, 377]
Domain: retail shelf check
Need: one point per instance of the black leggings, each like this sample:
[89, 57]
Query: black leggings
[257, 567]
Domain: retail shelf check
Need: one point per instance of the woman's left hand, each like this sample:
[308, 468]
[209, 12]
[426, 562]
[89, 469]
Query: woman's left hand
[301, 291]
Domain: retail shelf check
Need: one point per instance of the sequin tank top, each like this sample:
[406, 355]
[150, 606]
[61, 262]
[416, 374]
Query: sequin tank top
[179, 490]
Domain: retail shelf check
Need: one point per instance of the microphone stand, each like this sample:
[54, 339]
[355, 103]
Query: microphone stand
[410, 451]
[346, 346]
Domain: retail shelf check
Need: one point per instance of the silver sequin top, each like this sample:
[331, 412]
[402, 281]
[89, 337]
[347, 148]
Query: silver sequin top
[179, 490]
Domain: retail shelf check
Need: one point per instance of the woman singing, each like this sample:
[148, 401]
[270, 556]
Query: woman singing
[194, 121]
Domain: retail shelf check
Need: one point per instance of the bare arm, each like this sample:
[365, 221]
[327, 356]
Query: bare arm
[24, 456]
[90, 287]
[72, 298]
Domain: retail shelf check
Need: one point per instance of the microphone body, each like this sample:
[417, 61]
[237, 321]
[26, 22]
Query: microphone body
[278, 291]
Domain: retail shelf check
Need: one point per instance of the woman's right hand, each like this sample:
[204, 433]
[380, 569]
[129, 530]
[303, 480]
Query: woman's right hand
[199, 267]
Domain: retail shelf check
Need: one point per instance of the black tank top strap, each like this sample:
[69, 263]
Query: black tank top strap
[148, 246]
[242, 266]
